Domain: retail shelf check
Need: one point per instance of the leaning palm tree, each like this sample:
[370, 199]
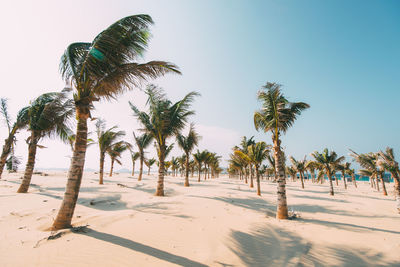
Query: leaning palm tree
[12, 129]
[142, 142]
[106, 138]
[134, 157]
[115, 153]
[327, 165]
[300, 166]
[47, 116]
[389, 163]
[187, 144]
[98, 70]
[277, 115]
[163, 121]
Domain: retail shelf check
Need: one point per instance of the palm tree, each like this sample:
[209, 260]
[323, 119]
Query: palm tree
[256, 154]
[300, 167]
[98, 70]
[142, 142]
[115, 152]
[134, 157]
[107, 138]
[344, 168]
[150, 163]
[277, 115]
[200, 158]
[328, 164]
[292, 171]
[164, 120]
[352, 173]
[371, 168]
[47, 116]
[389, 163]
[9, 143]
[311, 166]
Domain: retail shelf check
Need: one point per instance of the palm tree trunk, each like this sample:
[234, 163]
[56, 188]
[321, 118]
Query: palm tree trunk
[258, 182]
[344, 180]
[101, 172]
[377, 183]
[112, 167]
[383, 186]
[133, 169]
[199, 172]
[64, 216]
[353, 177]
[148, 172]
[397, 192]
[251, 178]
[205, 172]
[302, 180]
[30, 165]
[160, 183]
[282, 209]
[337, 180]
[141, 168]
[6, 151]
[331, 192]
[187, 170]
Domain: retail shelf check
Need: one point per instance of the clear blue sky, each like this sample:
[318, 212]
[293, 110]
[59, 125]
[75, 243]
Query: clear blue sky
[341, 57]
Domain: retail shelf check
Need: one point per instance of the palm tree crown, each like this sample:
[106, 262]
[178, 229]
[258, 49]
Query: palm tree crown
[277, 113]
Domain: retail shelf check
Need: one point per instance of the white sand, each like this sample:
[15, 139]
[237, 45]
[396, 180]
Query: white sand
[217, 222]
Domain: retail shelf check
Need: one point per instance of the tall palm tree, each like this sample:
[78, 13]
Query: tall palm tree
[98, 70]
[47, 116]
[142, 142]
[300, 166]
[149, 163]
[106, 138]
[328, 163]
[115, 153]
[277, 115]
[389, 163]
[344, 168]
[12, 129]
[134, 157]
[164, 120]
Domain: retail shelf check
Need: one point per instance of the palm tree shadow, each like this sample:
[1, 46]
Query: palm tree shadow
[138, 247]
[273, 246]
[347, 226]
[256, 204]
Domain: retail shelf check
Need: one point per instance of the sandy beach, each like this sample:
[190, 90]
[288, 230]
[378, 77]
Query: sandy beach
[217, 222]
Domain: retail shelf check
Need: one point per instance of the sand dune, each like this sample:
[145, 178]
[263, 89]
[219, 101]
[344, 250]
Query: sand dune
[218, 222]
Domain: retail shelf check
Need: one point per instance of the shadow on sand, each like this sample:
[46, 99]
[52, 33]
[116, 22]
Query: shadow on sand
[138, 247]
[272, 246]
